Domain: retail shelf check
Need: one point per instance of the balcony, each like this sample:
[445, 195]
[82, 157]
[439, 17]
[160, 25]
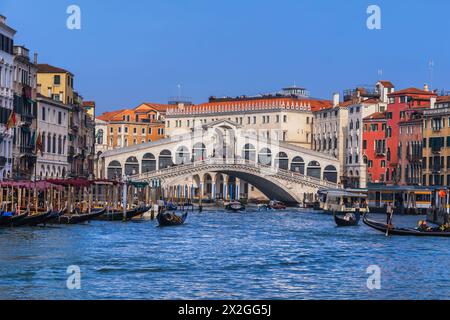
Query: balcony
[381, 152]
[414, 157]
[26, 150]
[436, 149]
[27, 119]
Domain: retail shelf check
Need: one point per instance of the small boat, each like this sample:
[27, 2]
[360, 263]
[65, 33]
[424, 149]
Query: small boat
[235, 206]
[33, 219]
[118, 214]
[403, 231]
[264, 207]
[348, 220]
[167, 219]
[277, 205]
[7, 219]
[77, 218]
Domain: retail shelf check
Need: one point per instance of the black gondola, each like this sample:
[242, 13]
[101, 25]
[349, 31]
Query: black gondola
[34, 220]
[166, 219]
[118, 215]
[9, 221]
[77, 218]
[341, 222]
[235, 207]
[403, 231]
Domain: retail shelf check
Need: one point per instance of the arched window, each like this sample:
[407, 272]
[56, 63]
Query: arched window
[330, 174]
[100, 136]
[314, 170]
[199, 152]
[59, 144]
[131, 166]
[148, 163]
[114, 170]
[265, 157]
[182, 156]
[54, 143]
[249, 152]
[49, 143]
[282, 161]
[165, 159]
[298, 165]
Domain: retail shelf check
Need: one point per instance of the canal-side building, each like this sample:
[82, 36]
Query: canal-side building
[374, 147]
[57, 84]
[53, 128]
[409, 149]
[436, 143]
[7, 117]
[330, 130]
[400, 102]
[25, 129]
[362, 102]
[286, 116]
[129, 127]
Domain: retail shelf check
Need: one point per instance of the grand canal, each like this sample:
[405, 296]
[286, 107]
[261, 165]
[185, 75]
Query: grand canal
[290, 255]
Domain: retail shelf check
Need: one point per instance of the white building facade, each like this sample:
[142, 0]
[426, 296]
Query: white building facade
[6, 96]
[53, 127]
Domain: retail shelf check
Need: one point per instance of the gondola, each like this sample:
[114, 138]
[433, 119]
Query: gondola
[341, 222]
[403, 231]
[277, 205]
[33, 220]
[118, 215]
[77, 218]
[235, 207]
[168, 219]
[9, 221]
[171, 207]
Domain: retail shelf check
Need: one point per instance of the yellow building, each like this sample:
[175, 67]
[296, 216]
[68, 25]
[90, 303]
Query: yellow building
[436, 143]
[55, 83]
[89, 108]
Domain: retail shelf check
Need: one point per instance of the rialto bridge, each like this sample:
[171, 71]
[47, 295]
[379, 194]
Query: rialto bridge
[222, 161]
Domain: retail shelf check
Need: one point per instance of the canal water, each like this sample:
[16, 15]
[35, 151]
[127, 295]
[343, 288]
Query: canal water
[297, 254]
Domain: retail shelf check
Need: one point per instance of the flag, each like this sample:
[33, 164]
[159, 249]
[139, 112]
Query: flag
[38, 144]
[11, 121]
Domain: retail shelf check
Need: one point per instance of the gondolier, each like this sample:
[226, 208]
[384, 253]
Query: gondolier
[389, 214]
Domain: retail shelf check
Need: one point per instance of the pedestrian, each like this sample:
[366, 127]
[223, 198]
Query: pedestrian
[389, 214]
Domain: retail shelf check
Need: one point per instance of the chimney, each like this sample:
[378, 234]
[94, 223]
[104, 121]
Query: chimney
[35, 58]
[336, 99]
[425, 87]
[2, 19]
[433, 102]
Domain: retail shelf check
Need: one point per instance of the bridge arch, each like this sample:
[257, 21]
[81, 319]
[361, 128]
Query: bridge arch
[265, 156]
[114, 170]
[165, 159]
[298, 165]
[249, 152]
[314, 170]
[182, 155]
[199, 152]
[282, 161]
[131, 166]
[330, 174]
[148, 163]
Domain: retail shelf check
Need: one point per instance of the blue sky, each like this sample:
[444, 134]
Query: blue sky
[132, 51]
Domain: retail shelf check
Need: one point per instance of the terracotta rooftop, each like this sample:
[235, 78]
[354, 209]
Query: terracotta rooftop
[46, 68]
[108, 116]
[412, 91]
[443, 99]
[386, 84]
[376, 116]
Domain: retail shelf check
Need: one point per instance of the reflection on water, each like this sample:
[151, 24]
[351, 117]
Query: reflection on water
[294, 254]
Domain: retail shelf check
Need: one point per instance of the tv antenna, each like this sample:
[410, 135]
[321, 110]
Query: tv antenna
[431, 69]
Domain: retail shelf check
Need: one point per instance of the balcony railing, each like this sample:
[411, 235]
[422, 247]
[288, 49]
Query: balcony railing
[380, 152]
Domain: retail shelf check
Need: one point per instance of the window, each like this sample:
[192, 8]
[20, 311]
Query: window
[59, 117]
[285, 119]
[383, 164]
[57, 80]
[364, 144]
[43, 114]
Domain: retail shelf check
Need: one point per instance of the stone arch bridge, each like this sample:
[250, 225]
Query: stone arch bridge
[220, 161]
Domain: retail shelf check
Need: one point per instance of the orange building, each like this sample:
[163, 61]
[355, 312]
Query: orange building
[128, 127]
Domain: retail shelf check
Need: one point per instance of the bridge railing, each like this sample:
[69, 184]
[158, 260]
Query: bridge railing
[266, 169]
